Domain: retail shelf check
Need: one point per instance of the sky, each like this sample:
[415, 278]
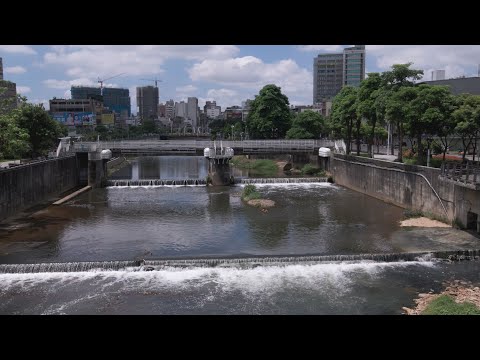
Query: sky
[228, 74]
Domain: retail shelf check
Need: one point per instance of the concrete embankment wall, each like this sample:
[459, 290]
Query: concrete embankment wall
[408, 186]
[28, 185]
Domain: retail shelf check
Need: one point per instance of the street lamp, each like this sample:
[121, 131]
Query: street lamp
[232, 131]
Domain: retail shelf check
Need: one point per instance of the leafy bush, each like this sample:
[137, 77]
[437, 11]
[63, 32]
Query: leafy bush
[312, 170]
[250, 192]
[408, 154]
[412, 213]
[249, 189]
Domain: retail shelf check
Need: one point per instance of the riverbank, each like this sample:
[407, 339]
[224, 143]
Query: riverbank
[458, 298]
[423, 222]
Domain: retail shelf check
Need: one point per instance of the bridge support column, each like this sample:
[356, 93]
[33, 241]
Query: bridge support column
[97, 168]
[219, 172]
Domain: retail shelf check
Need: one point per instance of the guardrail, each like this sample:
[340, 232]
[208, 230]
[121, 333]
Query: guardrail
[251, 146]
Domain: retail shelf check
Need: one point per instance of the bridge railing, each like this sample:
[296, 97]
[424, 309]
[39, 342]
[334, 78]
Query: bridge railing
[192, 145]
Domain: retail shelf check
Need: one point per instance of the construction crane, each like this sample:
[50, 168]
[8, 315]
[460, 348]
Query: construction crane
[101, 81]
[155, 80]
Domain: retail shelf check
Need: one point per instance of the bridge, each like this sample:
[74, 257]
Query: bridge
[196, 147]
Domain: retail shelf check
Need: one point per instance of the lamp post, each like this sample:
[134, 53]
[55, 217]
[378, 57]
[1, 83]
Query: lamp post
[232, 132]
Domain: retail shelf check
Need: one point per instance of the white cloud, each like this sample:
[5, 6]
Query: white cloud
[45, 103]
[328, 48]
[14, 70]
[186, 88]
[457, 60]
[23, 89]
[107, 60]
[251, 73]
[67, 84]
[18, 49]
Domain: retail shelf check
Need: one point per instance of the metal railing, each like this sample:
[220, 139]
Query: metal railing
[251, 146]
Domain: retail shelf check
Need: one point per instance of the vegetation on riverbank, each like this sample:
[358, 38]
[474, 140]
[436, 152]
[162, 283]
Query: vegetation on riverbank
[412, 214]
[458, 298]
[446, 305]
[261, 167]
[252, 197]
[250, 192]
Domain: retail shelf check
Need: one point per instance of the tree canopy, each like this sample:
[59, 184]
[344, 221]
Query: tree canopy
[269, 116]
[307, 125]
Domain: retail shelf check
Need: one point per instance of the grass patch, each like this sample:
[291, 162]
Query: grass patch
[408, 161]
[250, 192]
[259, 167]
[445, 305]
[312, 170]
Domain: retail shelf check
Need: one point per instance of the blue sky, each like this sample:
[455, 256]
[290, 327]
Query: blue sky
[228, 74]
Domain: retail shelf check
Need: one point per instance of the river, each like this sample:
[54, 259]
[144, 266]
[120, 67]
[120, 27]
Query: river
[133, 223]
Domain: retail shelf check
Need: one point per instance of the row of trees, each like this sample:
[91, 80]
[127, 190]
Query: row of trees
[27, 130]
[419, 112]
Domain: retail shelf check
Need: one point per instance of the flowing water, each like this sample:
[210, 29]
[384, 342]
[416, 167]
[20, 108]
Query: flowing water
[158, 248]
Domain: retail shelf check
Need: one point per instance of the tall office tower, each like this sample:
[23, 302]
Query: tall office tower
[332, 71]
[147, 102]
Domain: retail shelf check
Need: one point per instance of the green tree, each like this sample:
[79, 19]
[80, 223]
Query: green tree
[307, 125]
[467, 118]
[149, 126]
[344, 114]
[269, 115]
[395, 80]
[431, 114]
[369, 91]
[43, 131]
[13, 139]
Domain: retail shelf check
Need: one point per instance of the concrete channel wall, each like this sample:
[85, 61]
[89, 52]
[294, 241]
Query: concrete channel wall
[30, 184]
[408, 186]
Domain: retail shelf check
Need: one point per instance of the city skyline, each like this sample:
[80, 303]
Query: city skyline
[228, 74]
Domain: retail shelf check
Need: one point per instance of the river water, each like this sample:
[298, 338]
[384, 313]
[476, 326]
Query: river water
[174, 222]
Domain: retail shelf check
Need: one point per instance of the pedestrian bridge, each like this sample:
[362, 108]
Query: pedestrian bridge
[196, 147]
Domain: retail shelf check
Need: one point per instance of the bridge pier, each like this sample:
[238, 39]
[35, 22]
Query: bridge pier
[97, 168]
[219, 165]
[219, 172]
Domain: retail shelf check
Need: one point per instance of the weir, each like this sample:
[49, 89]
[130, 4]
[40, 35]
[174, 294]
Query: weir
[281, 180]
[246, 262]
[158, 182]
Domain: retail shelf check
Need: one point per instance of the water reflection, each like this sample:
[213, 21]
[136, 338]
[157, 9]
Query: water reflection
[163, 167]
[123, 223]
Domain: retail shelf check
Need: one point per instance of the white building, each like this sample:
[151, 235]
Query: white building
[438, 75]
[181, 109]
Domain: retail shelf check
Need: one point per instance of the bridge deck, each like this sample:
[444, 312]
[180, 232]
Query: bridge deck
[191, 147]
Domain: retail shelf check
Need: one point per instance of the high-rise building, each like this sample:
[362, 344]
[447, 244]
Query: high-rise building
[147, 102]
[211, 110]
[354, 65]
[1, 69]
[115, 99]
[438, 75]
[161, 110]
[192, 111]
[181, 109]
[170, 109]
[333, 71]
